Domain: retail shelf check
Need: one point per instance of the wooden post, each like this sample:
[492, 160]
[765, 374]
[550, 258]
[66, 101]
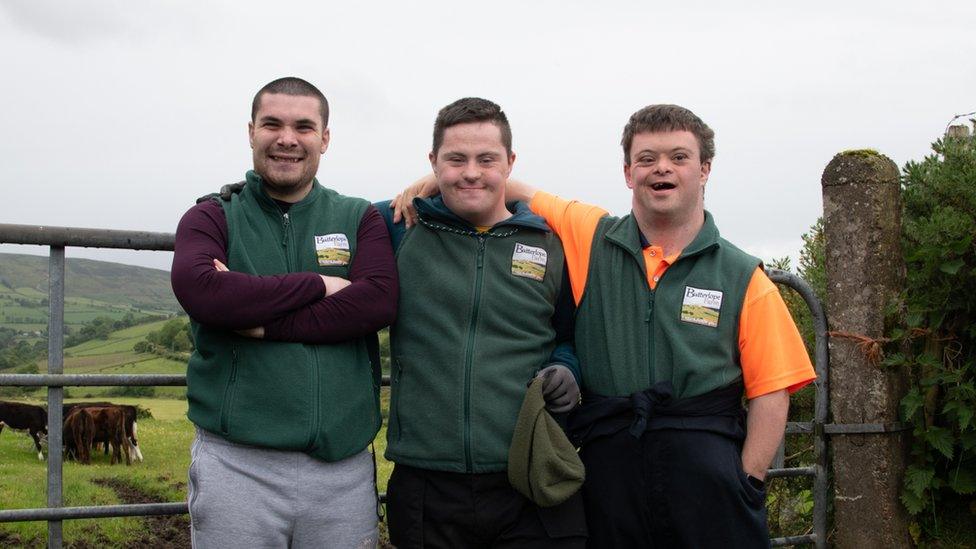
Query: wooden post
[865, 270]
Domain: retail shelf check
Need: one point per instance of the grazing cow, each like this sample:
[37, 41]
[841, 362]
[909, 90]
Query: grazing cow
[25, 416]
[110, 425]
[79, 429]
[131, 426]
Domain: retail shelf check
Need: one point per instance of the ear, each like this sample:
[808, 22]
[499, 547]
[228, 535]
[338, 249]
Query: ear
[630, 183]
[433, 161]
[706, 168]
[511, 163]
[250, 133]
[326, 135]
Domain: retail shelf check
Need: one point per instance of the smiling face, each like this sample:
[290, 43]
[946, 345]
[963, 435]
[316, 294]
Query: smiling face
[287, 138]
[667, 177]
[471, 167]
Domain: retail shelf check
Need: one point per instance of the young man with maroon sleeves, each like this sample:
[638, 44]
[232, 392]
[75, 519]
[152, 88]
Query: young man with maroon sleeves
[285, 284]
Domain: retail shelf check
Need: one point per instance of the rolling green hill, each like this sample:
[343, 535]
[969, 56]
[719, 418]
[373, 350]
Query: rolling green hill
[116, 355]
[92, 289]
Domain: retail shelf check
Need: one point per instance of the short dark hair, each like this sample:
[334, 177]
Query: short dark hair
[471, 109]
[292, 85]
[669, 118]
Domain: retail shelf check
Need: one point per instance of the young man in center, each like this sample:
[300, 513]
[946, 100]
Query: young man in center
[485, 306]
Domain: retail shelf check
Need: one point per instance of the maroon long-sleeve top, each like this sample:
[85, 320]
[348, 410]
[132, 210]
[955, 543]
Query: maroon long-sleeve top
[292, 306]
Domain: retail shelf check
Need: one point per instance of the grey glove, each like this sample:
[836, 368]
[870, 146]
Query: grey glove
[559, 388]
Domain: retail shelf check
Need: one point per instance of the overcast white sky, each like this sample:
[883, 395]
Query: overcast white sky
[118, 114]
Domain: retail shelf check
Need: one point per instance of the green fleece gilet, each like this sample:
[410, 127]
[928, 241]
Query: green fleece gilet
[318, 399]
[686, 331]
[472, 330]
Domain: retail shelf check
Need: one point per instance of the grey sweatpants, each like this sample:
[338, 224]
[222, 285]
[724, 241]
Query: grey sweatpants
[243, 497]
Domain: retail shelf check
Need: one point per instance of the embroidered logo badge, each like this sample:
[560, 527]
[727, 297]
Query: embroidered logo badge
[529, 262]
[332, 250]
[701, 306]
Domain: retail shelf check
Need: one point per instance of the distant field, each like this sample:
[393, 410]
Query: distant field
[24, 310]
[98, 363]
[20, 313]
[26, 326]
[115, 356]
[84, 316]
[119, 341]
[92, 289]
[30, 292]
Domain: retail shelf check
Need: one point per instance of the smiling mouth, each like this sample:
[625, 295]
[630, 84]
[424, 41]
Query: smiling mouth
[289, 159]
[664, 186]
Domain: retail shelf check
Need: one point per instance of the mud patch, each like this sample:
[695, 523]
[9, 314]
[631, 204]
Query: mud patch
[10, 540]
[165, 532]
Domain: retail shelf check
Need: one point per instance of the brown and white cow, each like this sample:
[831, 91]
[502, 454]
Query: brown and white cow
[25, 417]
[131, 426]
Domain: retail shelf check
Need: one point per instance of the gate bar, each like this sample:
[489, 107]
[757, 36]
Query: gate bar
[91, 380]
[100, 511]
[821, 363]
[85, 238]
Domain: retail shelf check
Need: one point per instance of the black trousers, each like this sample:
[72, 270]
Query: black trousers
[671, 489]
[436, 509]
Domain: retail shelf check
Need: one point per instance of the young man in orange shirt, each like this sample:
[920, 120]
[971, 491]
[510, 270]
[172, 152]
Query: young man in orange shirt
[673, 325]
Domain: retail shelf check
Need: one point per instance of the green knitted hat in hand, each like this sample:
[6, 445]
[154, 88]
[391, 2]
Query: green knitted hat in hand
[542, 464]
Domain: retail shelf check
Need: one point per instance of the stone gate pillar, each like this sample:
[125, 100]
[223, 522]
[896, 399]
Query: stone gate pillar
[865, 269]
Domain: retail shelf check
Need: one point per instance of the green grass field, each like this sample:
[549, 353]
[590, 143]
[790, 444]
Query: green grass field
[23, 314]
[30, 292]
[115, 356]
[24, 309]
[165, 443]
[119, 341]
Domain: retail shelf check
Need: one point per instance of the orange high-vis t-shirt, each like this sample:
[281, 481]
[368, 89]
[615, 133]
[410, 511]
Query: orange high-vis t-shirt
[771, 350]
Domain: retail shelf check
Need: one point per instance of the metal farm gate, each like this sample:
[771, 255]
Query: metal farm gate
[57, 238]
